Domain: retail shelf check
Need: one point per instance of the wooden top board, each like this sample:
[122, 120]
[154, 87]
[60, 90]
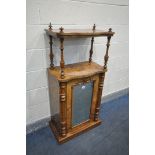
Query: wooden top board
[78, 33]
[77, 70]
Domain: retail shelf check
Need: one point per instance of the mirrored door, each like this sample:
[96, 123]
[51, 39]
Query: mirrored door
[81, 102]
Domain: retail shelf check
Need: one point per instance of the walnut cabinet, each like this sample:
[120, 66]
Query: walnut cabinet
[75, 89]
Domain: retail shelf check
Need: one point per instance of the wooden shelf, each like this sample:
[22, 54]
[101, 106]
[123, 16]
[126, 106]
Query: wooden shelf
[78, 33]
[77, 70]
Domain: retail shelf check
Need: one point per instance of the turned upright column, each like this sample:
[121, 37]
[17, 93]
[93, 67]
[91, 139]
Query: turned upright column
[106, 57]
[62, 90]
[51, 49]
[63, 87]
[62, 62]
[100, 87]
[101, 79]
[91, 48]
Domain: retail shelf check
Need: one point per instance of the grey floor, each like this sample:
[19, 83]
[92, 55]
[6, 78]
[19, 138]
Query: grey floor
[110, 138]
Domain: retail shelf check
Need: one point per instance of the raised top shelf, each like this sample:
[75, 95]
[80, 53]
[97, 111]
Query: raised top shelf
[64, 33]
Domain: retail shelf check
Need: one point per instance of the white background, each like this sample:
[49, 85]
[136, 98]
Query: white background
[13, 86]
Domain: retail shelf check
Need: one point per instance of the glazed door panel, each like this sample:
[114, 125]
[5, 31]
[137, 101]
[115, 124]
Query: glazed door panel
[82, 99]
[81, 102]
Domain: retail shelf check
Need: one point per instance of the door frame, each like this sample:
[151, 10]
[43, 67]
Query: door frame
[70, 86]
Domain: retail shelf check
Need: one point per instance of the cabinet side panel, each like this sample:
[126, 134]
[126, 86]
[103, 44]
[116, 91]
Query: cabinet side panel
[54, 95]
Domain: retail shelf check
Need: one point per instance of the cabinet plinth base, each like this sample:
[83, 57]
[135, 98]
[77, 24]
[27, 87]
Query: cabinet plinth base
[73, 133]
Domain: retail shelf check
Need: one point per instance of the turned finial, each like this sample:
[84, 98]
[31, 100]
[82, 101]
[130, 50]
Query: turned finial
[94, 26]
[50, 26]
[61, 29]
[110, 29]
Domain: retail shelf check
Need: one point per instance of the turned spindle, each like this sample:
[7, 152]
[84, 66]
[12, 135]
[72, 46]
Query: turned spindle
[62, 62]
[106, 57]
[51, 55]
[91, 48]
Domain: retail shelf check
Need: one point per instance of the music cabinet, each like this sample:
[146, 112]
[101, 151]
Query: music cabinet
[75, 89]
